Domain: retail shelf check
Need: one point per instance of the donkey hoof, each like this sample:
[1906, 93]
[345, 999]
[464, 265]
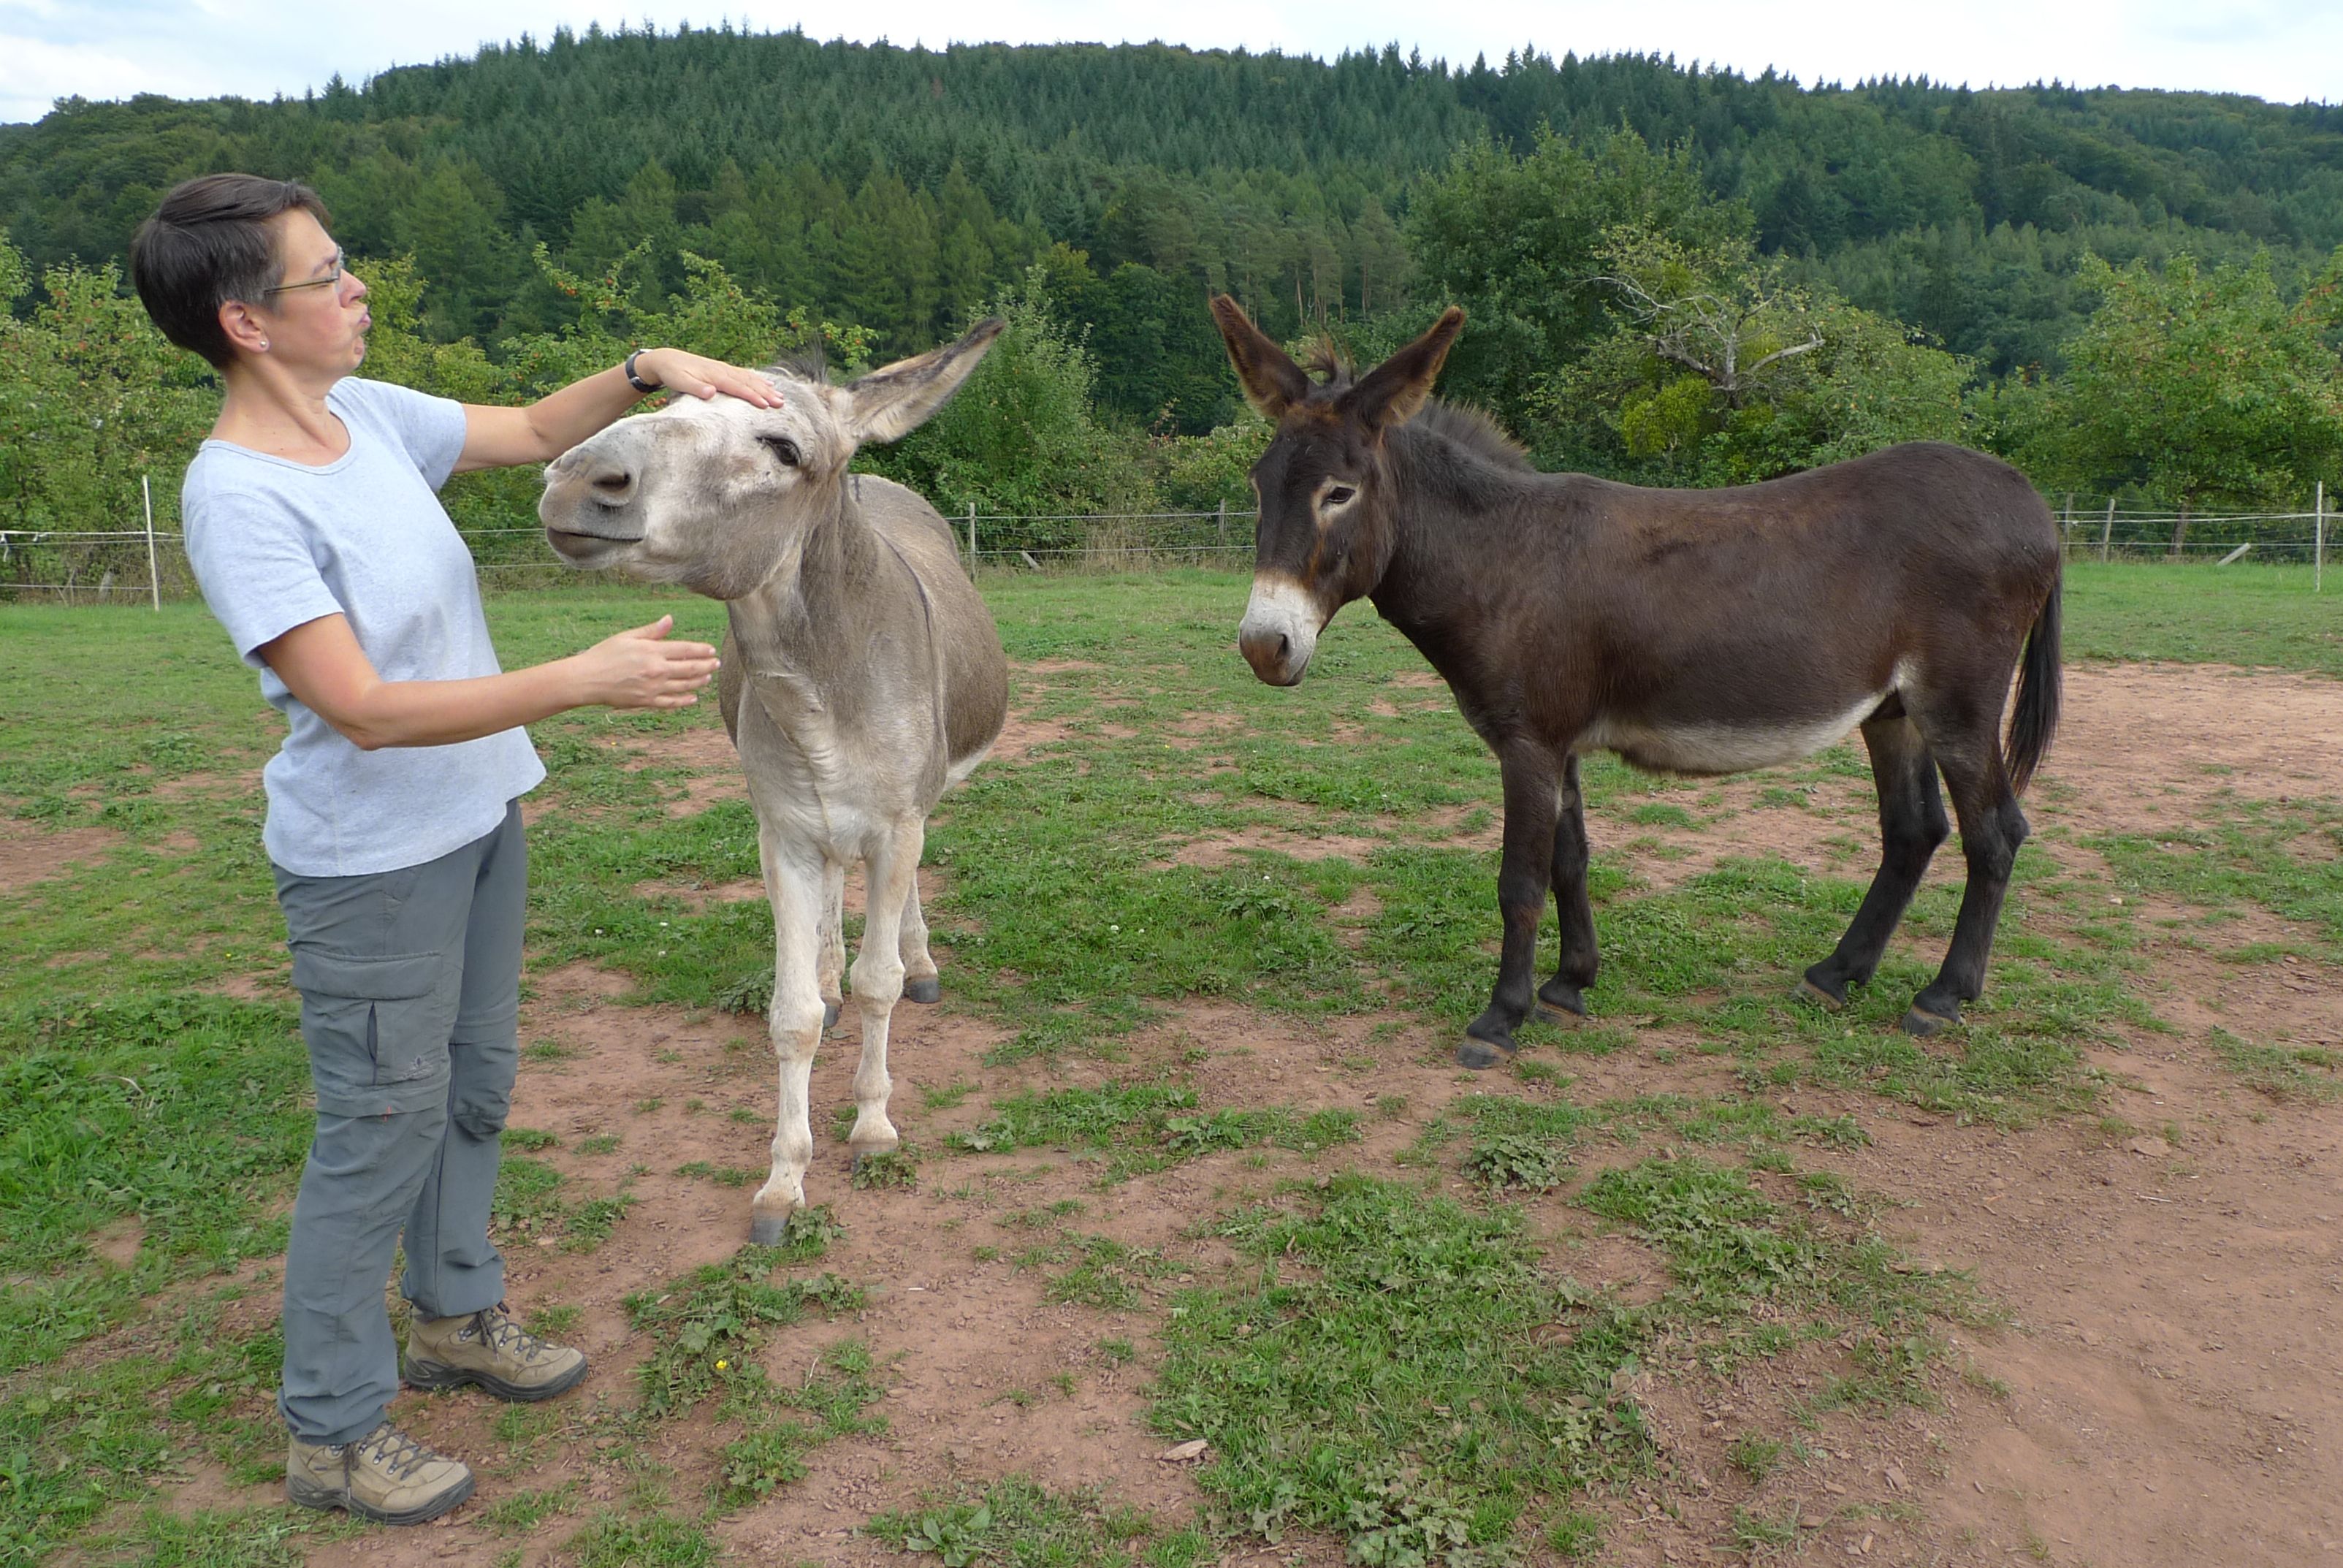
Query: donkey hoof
[1562, 1004]
[829, 1011]
[1920, 1022]
[766, 1230]
[1480, 1053]
[1809, 991]
[927, 989]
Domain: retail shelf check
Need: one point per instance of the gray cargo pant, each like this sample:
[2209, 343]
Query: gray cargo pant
[409, 983]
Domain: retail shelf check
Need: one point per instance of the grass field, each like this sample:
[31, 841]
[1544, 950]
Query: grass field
[1397, 1360]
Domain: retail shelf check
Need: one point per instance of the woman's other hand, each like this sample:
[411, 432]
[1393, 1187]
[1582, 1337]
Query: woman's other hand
[641, 669]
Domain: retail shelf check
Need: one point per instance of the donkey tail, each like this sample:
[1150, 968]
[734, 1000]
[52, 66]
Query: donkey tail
[2035, 717]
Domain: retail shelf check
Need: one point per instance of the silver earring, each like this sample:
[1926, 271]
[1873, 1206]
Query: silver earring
[263, 345]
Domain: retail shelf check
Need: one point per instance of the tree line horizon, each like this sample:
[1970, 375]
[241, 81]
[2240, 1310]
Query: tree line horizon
[1673, 275]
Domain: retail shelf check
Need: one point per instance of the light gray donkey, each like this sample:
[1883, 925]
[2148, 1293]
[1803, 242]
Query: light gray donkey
[873, 679]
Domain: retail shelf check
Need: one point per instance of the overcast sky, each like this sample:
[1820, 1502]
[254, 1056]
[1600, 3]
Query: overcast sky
[2286, 50]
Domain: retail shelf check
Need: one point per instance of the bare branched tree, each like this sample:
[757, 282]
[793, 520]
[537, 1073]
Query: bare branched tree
[1726, 318]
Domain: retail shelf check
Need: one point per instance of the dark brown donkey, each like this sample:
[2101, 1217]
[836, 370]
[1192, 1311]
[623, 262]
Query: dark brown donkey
[1690, 632]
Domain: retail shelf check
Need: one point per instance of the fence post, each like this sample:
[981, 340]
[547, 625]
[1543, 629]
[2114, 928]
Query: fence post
[2067, 527]
[971, 541]
[153, 578]
[1224, 510]
[2107, 530]
[2318, 539]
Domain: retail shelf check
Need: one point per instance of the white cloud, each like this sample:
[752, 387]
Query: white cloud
[2286, 50]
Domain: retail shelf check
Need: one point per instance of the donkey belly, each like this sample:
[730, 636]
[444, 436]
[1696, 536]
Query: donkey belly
[1707, 746]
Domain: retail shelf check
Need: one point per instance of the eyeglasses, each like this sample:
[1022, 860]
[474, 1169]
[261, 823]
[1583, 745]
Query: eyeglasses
[327, 281]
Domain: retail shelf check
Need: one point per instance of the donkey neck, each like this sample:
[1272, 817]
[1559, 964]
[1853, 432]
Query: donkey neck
[1463, 528]
[805, 619]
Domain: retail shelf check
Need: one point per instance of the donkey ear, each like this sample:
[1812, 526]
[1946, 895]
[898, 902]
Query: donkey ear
[895, 399]
[1272, 382]
[1392, 392]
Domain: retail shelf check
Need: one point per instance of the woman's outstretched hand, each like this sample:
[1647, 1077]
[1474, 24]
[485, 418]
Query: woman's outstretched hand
[641, 669]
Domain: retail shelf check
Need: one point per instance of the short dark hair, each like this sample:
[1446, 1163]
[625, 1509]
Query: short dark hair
[207, 243]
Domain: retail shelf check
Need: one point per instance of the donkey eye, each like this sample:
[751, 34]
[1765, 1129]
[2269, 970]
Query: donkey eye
[783, 448]
[1339, 495]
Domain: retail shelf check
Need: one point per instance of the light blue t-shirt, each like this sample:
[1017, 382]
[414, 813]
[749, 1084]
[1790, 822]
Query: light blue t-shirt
[276, 544]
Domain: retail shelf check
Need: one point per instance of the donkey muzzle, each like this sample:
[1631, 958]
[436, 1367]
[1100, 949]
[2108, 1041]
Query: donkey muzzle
[1280, 630]
[588, 497]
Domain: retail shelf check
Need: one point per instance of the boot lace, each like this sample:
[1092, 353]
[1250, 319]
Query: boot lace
[507, 1338]
[395, 1451]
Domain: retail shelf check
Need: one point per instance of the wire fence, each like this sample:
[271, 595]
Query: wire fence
[149, 566]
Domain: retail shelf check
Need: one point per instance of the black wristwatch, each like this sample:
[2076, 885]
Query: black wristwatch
[635, 381]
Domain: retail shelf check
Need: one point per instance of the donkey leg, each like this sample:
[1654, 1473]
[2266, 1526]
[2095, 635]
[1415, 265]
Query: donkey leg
[831, 970]
[1992, 828]
[793, 880]
[1911, 826]
[1520, 900]
[920, 982]
[1561, 997]
[878, 981]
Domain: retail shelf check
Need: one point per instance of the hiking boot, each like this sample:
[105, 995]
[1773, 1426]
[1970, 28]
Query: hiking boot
[386, 1476]
[489, 1348]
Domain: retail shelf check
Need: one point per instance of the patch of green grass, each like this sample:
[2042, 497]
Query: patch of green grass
[1108, 1274]
[1754, 1532]
[660, 1541]
[1510, 1160]
[1575, 1534]
[1076, 1118]
[524, 1426]
[770, 1452]
[1516, 1142]
[179, 1116]
[1017, 1522]
[1148, 1127]
[527, 1140]
[2262, 615]
[722, 1175]
[1381, 1320]
[251, 1538]
[948, 1096]
[77, 1439]
[591, 1223]
[720, 1314]
[601, 1143]
[1755, 1455]
[897, 1168]
[552, 1320]
[2286, 858]
[519, 1513]
[530, 1202]
[2289, 1071]
[1730, 1248]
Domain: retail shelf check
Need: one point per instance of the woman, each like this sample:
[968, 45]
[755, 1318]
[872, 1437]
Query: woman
[394, 820]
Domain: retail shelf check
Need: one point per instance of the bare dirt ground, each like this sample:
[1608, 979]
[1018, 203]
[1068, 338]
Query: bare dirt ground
[2166, 1390]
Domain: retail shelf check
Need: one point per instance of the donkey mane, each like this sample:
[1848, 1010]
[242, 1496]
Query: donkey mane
[1473, 429]
[809, 363]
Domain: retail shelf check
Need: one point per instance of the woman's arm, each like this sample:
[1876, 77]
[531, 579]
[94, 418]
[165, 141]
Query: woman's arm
[500, 437]
[321, 663]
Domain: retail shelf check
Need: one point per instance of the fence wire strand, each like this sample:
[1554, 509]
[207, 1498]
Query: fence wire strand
[92, 561]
